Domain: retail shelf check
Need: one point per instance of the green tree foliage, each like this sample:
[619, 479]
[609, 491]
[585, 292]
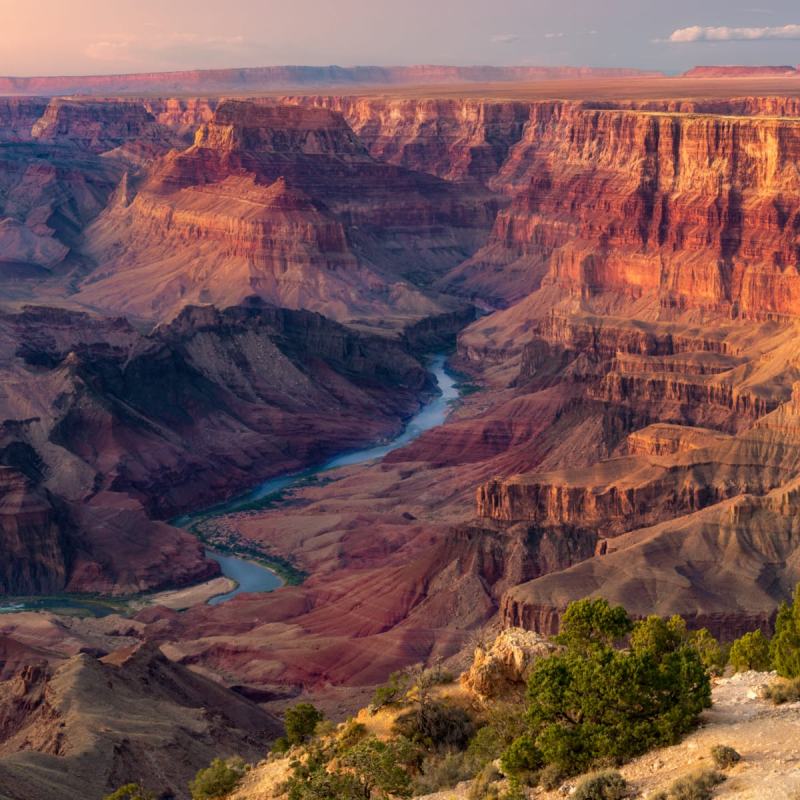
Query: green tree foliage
[131, 791]
[217, 780]
[785, 645]
[592, 703]
[393, 691]
[751, 651]
[713, 654]
[300, 722]
[593, 623]
[370, 769]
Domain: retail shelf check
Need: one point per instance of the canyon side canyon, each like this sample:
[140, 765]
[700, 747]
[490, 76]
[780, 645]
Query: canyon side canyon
[202, 290]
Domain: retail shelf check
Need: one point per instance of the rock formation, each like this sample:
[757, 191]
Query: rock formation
[91, 726]
[502, 669]
[286, 203]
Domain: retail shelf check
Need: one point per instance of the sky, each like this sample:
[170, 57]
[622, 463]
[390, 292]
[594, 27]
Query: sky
[74, 37]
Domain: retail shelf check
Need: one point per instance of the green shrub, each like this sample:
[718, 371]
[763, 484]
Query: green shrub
[391, 692]
[608, 785]
[522, 756]
[713, 655]
[783, 691]
[435, 725]
[351, 733]
[370, 769]
[280, 746]
[751, 651]
[591, 704]
[131, 791]
[785, 644]
[301, 722]
[218, 779]
[441, 772]
[724, 757]
[380, 766]
[697, 786]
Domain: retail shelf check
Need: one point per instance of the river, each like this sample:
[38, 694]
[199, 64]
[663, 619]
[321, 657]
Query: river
[251, 576]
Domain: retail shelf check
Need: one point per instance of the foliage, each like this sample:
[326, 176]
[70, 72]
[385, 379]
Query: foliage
[713, 655]
[785, 645]
[483, 787]
[724, 756]
[608, 785]
[280, 746]
[504, 723]
[590, 623]
[441, 772]
[751, 651]
[783, 691]
[551, 777]
[391, 692]
[593, 704]
[380, 766]
[301, 722]
[435, 725]
[351, 733]
[131, 791]
[370, 769]
[217, 780]
[698, 786]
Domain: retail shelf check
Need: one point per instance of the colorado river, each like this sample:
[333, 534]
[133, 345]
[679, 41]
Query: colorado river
[253, 577]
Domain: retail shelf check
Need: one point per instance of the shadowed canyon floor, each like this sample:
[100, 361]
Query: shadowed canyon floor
[199, 294]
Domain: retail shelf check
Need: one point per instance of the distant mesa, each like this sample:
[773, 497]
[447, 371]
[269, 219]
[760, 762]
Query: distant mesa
[257, 79]
[742, 71]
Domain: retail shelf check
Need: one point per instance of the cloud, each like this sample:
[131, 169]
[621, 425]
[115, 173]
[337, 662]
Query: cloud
[559, 35]
[697, 33]
[505, 38]
[164, 47]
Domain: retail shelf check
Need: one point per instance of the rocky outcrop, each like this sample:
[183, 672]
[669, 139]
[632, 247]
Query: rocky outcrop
[283, 202]
[454, 139]
[742, 71]
[502, 669]
[131, 717]
[94, 126]
[18, 116]
[35, 556]
[624, 201]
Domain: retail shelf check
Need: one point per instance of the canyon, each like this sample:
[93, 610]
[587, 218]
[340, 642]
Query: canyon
[198, 293]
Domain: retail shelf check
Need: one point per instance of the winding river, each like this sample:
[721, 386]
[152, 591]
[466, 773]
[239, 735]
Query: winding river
[251, 576]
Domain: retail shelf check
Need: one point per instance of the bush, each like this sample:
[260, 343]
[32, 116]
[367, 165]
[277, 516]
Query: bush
[601, 786]
[300, 722]
[217, 780]
[280, 746]
[783, 691]
[724, 757]
[713, 655]
[750, 652]
[522, 756]
[441, 772]
[483, 787]
[351, 733]
[592, 704]
[435, 726]
[131, 791]
[698, 786]
[785, 645]
[391, 692]
[551, 777]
